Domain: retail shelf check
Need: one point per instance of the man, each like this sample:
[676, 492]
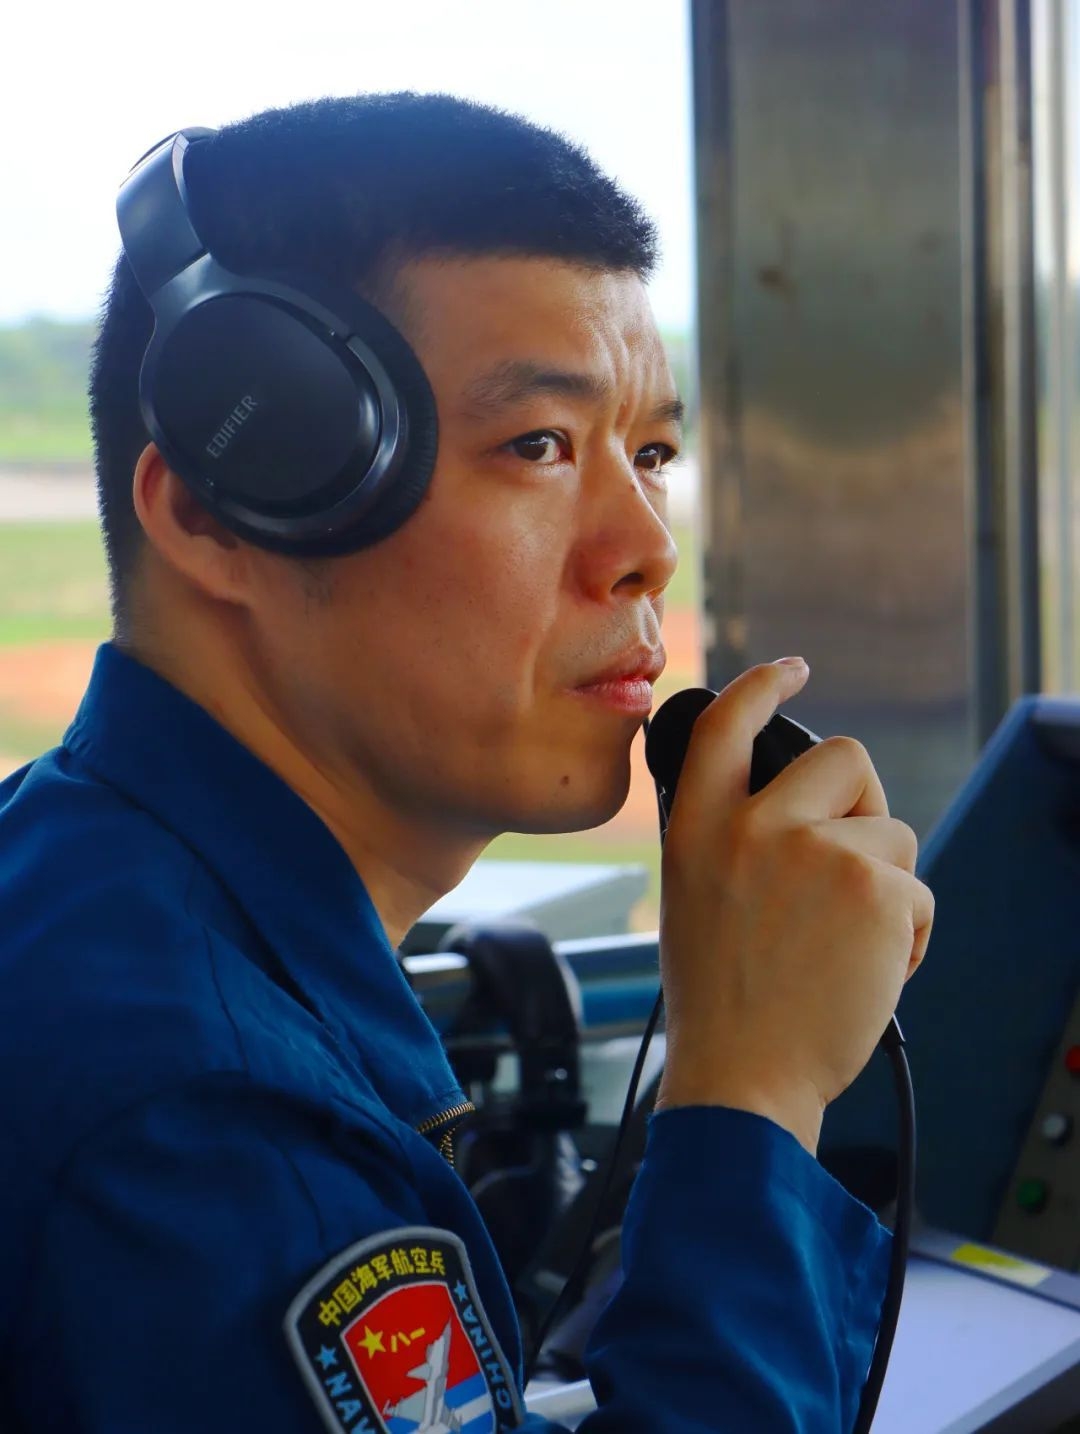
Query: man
[225, 1204]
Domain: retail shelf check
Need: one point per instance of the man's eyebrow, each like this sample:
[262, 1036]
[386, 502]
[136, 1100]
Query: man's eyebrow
[516, 380]
[672, 410]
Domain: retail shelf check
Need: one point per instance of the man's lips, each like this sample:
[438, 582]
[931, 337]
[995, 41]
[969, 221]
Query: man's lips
[627, 685]
[644, 664]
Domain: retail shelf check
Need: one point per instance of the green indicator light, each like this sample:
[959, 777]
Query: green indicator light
[1032, 1195]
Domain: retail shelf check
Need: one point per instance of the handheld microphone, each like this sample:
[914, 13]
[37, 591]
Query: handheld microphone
[779, 742]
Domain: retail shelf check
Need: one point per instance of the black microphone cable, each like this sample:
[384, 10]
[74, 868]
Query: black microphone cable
[892, 1043]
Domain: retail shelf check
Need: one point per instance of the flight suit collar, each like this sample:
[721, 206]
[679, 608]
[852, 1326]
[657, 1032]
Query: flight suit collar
[280, 861]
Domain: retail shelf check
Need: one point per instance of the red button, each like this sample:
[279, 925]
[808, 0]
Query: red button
[1072, 1060]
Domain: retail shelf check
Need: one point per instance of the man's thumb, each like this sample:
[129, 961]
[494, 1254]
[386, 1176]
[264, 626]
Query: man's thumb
[716, 771]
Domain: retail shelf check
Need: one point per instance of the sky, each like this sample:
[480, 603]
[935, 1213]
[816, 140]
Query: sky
[87, 88]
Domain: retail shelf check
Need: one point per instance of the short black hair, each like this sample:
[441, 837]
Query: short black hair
[347, 189]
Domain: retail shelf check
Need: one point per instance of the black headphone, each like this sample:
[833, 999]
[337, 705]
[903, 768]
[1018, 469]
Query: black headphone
[295, 411]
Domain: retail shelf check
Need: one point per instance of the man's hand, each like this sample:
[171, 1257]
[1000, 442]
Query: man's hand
[790, 920]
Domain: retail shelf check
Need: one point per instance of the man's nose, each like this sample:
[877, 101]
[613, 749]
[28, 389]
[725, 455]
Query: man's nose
[626, 548]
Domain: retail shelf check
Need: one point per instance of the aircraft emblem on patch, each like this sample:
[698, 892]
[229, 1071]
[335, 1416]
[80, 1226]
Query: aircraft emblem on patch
[391, 1338]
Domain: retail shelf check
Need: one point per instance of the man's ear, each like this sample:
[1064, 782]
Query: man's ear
[192, 543]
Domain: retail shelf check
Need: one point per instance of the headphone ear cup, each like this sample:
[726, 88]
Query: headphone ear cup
[262, 412]
[405, 492]
[276, 414]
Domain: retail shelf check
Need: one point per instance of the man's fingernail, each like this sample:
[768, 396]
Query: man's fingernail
[790, 662]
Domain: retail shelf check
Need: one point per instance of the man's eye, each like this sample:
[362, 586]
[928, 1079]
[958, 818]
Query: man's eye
[655, 458]
[540, 447]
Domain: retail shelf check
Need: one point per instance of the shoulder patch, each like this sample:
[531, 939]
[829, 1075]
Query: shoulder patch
[391, 1338]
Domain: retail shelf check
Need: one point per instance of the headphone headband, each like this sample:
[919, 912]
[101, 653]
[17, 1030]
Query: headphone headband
[152, 209]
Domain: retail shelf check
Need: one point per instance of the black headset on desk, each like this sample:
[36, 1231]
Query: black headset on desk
[304, 422]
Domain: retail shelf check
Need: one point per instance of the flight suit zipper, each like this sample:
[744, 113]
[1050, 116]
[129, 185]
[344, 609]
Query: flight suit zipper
[451, 1119]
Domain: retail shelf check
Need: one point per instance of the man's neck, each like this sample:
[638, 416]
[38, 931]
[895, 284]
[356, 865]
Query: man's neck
[406, 865]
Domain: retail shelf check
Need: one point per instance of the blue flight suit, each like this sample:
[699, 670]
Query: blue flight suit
[214, 1072]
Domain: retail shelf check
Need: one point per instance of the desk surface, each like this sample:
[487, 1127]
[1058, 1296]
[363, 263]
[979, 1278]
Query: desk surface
[967, 1349]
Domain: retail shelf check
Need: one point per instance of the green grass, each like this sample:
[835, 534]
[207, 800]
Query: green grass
[45, 436]
[53, 582]
[53, 585]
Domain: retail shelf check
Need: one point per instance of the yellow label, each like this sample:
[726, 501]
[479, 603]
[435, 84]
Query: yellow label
[1004, 1267]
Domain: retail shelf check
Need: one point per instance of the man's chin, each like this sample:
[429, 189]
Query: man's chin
[571, 816]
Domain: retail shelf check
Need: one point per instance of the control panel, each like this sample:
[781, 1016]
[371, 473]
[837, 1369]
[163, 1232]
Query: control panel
[1040, 1214]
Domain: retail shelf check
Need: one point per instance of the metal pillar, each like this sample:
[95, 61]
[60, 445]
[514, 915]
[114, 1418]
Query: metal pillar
[867, 361]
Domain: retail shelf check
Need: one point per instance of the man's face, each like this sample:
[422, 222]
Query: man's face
[447, 663]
